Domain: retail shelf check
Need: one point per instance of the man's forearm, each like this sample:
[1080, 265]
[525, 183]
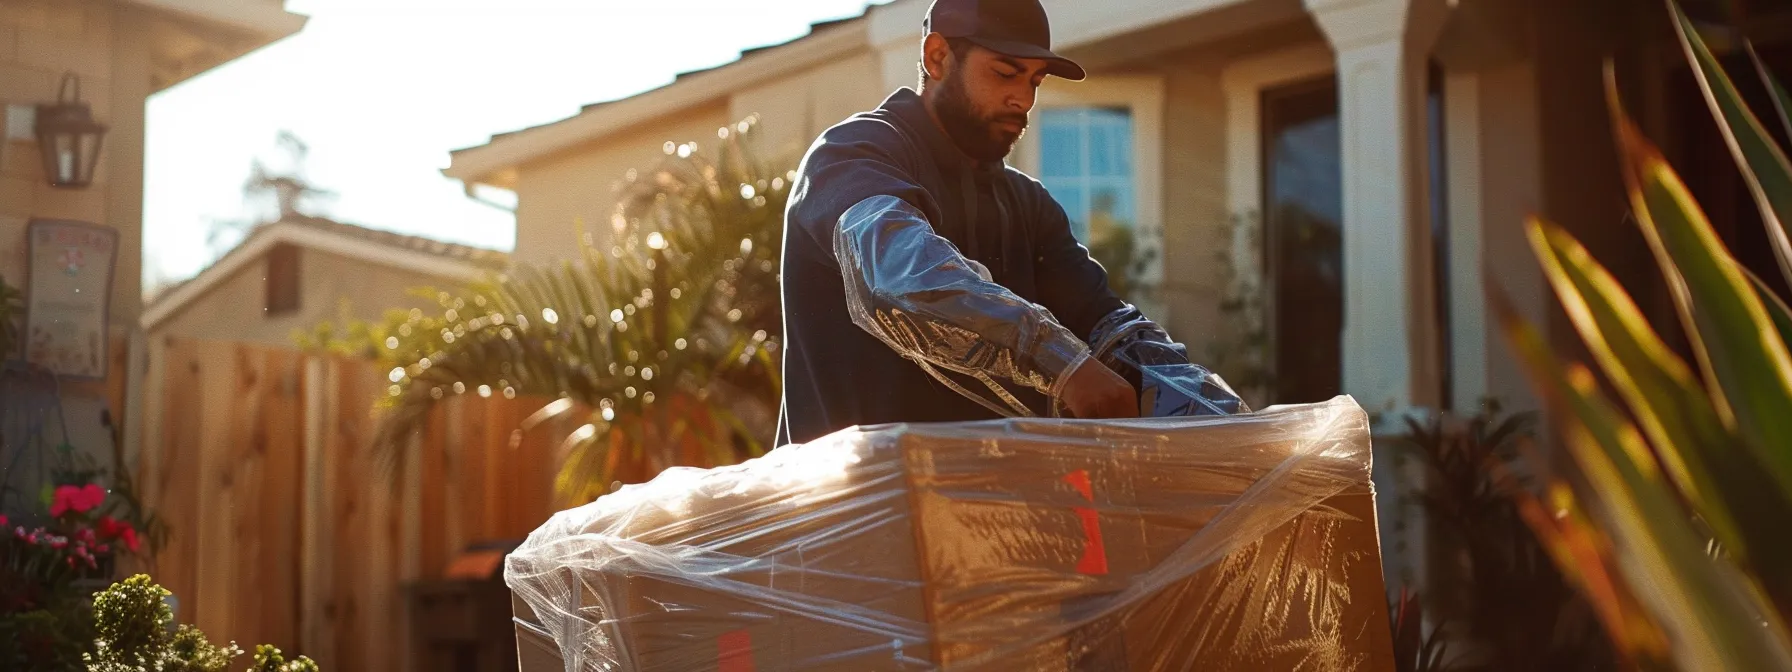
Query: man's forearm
[913, 290]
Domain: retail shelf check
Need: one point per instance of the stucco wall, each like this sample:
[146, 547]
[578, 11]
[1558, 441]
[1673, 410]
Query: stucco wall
[579, 184]
[233, 309]
[795, 109]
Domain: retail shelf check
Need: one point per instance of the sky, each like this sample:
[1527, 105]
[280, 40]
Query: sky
[382, 90]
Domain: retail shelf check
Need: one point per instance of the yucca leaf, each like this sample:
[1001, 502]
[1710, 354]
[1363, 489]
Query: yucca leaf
[1723, 480]
[1776, 308]
[1782, 100]
[1705, 607]
[1747, 368]
[1584, 557]
[1764, 166]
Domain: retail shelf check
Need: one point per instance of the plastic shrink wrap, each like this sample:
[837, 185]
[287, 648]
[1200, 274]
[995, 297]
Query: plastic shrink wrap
[1215, 543]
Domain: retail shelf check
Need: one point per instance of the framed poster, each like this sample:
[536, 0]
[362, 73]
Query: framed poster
[68, 297]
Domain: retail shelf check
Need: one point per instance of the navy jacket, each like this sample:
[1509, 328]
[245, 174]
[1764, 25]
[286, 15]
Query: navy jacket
[837, 374]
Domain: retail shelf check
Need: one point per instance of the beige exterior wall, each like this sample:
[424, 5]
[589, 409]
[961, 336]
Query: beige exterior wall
[794, 110]
[233, 309]
[39, 41]
[578, 185]
[555, 194]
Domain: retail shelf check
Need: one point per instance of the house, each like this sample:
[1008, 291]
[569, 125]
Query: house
[1382, 156]
[1367, 166]
[293, 274]
[119, 52]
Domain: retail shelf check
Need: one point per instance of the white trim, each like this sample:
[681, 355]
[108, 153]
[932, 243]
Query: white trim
[267, 18]
[311, 238]
[1144, 95]
[479, 164]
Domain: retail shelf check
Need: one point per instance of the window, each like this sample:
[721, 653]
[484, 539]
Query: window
[1086, 162]
[282, 279]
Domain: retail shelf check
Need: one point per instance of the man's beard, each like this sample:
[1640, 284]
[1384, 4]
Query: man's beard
[975, 136]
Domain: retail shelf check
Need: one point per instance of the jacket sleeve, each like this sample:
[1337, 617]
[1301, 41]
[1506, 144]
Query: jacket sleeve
[911, 288]
[1071, 283]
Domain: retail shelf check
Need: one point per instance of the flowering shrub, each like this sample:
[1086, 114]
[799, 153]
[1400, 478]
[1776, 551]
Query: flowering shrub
[133, 622]
[45, 621]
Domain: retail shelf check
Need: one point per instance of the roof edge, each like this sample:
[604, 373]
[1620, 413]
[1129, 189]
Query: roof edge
[267, 18]
[479, 164]
[175, 300]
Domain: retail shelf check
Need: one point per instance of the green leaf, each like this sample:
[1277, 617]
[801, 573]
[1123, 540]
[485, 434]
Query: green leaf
[1725, 482]
[1764, 166]
[1747, 368]
[1708, 610]
[1782, 100]
[1776, 308]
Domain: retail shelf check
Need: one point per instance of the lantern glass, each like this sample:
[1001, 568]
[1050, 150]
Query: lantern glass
[70, 156]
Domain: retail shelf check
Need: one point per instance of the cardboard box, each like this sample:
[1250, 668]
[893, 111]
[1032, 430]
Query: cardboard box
[1243, 543]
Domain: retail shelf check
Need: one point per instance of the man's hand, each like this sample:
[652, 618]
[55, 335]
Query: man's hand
[1095, 392]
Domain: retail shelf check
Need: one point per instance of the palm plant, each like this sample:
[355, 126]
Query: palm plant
[662, 331]
[1672, 521]
[1507, 605]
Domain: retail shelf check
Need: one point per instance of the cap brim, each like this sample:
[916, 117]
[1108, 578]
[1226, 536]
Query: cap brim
[1055, 65]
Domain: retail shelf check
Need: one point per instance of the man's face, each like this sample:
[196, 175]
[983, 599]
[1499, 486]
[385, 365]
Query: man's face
[984, 99]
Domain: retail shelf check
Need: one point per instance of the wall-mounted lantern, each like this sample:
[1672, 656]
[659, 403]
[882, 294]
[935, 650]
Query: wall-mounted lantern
[69, 138]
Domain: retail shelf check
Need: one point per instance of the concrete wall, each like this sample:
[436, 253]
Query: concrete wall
[39, 41]
[579, 185]
[233, 309]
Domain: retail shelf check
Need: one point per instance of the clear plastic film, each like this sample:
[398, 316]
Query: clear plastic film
[1218, 543]
[914, 291]
[1158, 367]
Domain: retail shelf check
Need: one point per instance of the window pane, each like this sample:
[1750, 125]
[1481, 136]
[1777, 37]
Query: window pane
[1060, 144]
[1070, 194]
[1110, 143]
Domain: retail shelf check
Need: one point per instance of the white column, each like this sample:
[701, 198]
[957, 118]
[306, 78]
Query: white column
[1390, 346]
[1494, 149]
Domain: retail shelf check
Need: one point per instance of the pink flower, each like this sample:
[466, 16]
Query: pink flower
[130, 539]
[91, 564]
[58, 543]
[71, 561]
[2, 521]
[108, 527]
[80, 500]
[85, 534]
[90, 498]
[64, 500]
[103, 548]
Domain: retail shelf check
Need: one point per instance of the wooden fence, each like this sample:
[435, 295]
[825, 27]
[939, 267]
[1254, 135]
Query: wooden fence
[285, 528]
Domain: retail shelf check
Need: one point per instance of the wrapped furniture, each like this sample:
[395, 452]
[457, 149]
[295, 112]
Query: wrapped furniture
[1243, 542]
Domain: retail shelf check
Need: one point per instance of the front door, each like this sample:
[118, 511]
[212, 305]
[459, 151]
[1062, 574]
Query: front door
[1303, 212]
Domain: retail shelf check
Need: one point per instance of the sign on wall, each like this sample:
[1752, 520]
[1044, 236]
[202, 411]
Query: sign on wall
[68, 297]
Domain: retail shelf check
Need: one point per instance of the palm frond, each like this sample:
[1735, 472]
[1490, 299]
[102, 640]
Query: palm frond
[662, 331]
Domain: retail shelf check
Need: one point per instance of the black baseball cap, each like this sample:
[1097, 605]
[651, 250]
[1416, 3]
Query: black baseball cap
[1015, 28]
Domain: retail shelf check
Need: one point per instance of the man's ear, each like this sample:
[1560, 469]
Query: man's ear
[935, 55]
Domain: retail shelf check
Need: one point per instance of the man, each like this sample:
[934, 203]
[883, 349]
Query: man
[924, 280]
